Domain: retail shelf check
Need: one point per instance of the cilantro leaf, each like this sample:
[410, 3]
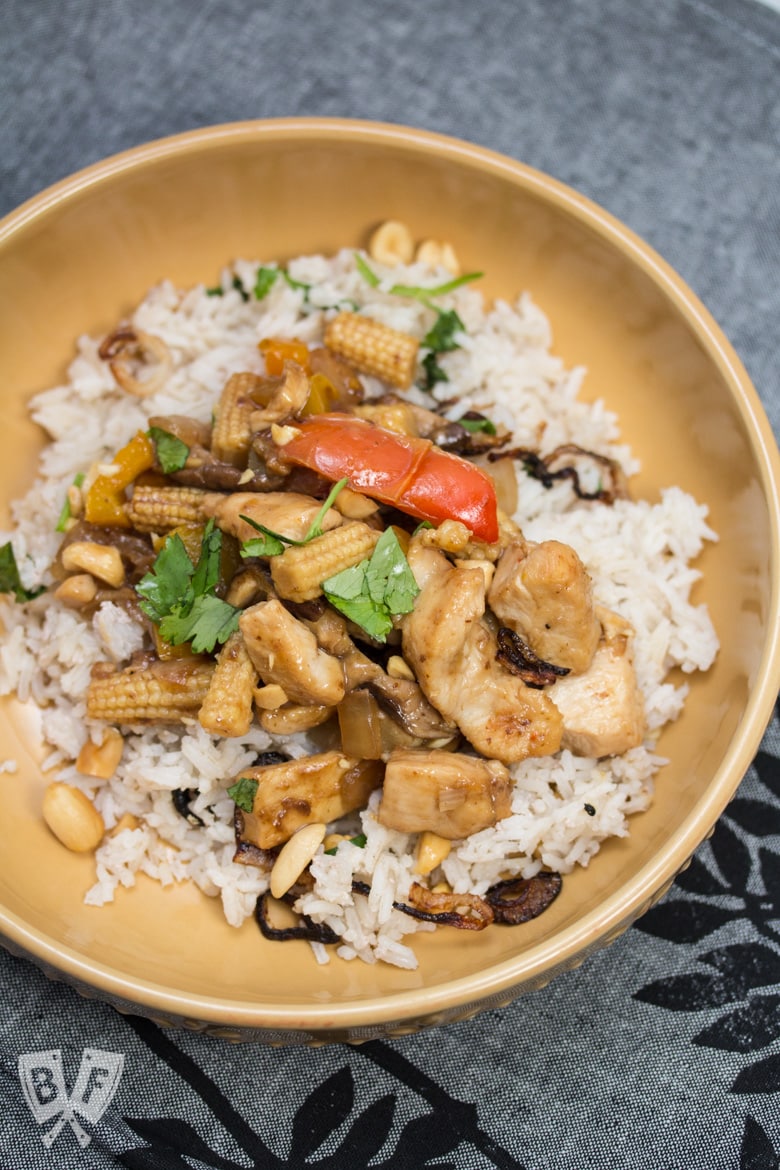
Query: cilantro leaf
[205, 622]
[365, 271]
[477, 424]
[298, 284]
[271, 544]
[441, 336]
[238, 286]
[372, 617]
[359, 840]
[179, 597]
[262, 546]
[10, 581]
[315, 528]
[373, 592]
[424, 294]
[206, 573]
[64, 516]
[171, 452]
[243, 792]
[388, 570]
[417, 291]
[433, 372]
[167, 584]
[264, 282]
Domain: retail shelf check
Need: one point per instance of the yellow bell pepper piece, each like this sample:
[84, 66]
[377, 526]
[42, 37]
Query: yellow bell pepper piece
[105, 500]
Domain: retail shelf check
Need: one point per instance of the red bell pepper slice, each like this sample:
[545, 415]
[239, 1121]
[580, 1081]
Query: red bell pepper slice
[410, 473]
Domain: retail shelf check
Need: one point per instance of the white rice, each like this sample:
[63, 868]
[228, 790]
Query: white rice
[638, 554]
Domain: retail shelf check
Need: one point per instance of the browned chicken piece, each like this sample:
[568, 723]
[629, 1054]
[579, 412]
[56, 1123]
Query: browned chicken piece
[543, 593]
[400, 698]
[453, 654]
[287, 401]
[291, 514]
[313, 790]
[285, 651]
[443, 792]
[603, 709]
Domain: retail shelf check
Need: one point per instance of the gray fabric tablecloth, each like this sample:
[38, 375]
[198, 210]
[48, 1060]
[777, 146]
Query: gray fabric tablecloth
[664, 1050]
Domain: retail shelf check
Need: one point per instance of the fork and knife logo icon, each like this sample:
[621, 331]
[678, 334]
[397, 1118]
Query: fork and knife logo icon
[43, 1082]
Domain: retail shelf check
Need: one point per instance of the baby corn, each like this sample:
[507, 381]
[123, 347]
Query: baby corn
[160, 693]
[232, 431]
[161, 509]
[373, 348]
[300, 570]
[227, 709]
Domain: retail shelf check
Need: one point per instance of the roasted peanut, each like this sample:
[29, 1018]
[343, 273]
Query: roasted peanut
[101, 560]
[391, 243]
[431, 851]
[438, 254]
[72, 817]
[294, 856]
[77, 591]
[101, 760]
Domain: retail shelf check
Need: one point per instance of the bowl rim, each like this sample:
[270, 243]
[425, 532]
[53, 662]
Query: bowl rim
[536, 964]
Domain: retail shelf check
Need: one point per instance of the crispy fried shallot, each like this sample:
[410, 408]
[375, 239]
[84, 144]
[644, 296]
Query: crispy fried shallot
[306, 929]
[131, 353]
[562, 463]
[521, 899]
[518, 658]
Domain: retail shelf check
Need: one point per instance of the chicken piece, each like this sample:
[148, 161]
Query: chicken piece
[453, 654]
[543, 593]
[443, 792]
[285, 651]
[603, 709]
[400, 698]
[291, 514]
[288, 400]
[312, 790]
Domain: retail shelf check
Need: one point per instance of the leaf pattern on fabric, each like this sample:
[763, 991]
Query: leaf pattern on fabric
[757, 1152]
[735, 878]
[424, 1141]
[756, 1025]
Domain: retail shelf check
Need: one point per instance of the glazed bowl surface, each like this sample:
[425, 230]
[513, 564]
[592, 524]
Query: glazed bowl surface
[77, 257]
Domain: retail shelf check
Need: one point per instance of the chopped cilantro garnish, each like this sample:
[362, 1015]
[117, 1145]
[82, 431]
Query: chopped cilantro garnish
[218, 291]
[179, 597]
[207, 621]
[477, 425]
[171, 452]
[64, 517]
[379, 588]
[10, 581]
[359, 840]
[271, 543]
[316, 525]
[264, 282]
[299, 284]
[441, 336]
[243, 792]
[366, 272]
[418, 292]
[238, 286]
[433, 372]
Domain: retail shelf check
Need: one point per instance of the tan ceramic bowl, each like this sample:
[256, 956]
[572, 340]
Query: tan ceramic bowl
[77, 257]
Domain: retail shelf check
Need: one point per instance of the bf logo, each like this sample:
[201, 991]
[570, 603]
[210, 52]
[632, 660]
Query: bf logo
[43, 1082]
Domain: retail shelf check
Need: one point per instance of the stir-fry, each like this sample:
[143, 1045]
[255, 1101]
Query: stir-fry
[335, 560]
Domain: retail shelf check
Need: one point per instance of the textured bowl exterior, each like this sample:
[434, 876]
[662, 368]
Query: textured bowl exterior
[81, 254]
